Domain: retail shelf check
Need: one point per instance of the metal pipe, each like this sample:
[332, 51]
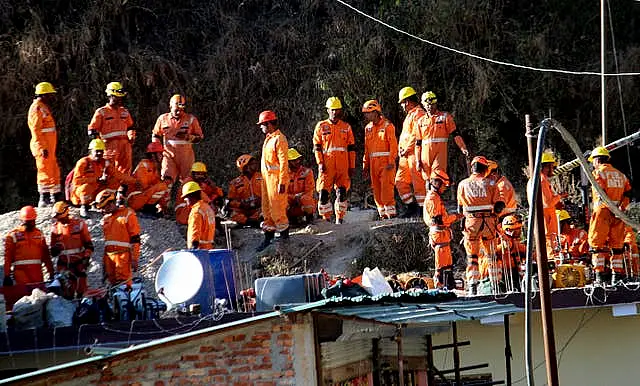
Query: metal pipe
[528, 353]
[507, 350]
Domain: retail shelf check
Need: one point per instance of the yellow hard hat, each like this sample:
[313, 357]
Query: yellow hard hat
[405, 93]
[292, 154]
[429, 97]
[178, 100]
[548, 157]
[45, 88]
[189, 188]
[599, 151]
[333, 103]
[97, 144]
[60, 209]
[563, 215]
[115, 89]
[511, 222]
[198, 167]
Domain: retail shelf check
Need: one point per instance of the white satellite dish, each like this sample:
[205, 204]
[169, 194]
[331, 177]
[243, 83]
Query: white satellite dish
[179, 278]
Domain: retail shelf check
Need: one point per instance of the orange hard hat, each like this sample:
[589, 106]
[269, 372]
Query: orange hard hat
[267, 116]
[440, 175]
[28, 213]
[493, 165]
[512, 222]
[371, 105]
[243, 160]
[60, 209]
[104, 198]
[178, 100]
[480, 160]
[154, 147]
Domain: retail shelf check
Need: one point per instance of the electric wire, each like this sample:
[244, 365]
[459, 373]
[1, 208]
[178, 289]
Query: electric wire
[494, 61]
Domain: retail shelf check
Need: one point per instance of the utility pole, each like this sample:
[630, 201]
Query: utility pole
[603, 81]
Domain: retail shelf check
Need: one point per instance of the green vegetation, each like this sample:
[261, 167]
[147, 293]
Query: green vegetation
[235, 58]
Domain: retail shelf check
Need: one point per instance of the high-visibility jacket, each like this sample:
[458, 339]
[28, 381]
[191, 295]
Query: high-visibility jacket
[152, 190]
[506, 194]
[112, 123]
[334, 146]
[632, 255]
[44, 137]
[410, 130]
[300, 192]
[210, 193]
[432, 139]
[381, 150]
[438, 220]
[614, 183]
[86, 175]
[477, 194]
[245, 192]
[574, 243]
[511, 251]
[121, 244]
[201, 226]
[26, 251]
[409, 182]
[179, 134]
[73, 239]
[274, 167]
[146, 173]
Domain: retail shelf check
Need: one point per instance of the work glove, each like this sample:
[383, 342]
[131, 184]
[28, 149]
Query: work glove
[44, 153]
[7, 282]
[498, 207]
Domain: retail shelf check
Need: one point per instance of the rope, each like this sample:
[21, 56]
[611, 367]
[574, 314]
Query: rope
[494, 61]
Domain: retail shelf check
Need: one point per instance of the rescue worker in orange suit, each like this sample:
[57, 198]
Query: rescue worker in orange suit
[434, 130]
[113, 124]
[408, 175]
[92, 174]
[606, 232]
[44, 139]
[574, 245]
[201, 228]
[275, 178]
[439, 222]
[72, 244]
[505, 189]
[479, 201]
[631, 251]
[25, 249]
[379, 161]
[121, 240]
[335, 153]
[511, 252]
[300, 200]
[211, 193]
[180, 131]
[245, 192]
[153, 195]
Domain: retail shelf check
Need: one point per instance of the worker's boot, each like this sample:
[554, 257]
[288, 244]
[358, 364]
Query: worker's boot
[598, 278]
[55, 197]
[473, 289]
[268, 238]
[412, 210]
[284, 235]
[43, 201]
[84, 211]
[449, 279]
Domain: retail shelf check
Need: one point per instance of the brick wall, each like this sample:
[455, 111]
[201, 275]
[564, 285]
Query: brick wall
[267, 353]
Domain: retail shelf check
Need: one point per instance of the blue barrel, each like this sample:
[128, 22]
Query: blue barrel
[218, 280]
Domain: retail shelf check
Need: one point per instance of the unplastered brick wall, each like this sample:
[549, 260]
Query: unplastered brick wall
[268, 353]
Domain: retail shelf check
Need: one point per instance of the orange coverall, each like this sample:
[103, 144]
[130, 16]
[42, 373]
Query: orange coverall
[26, 251]
[334, 146]
[245, 198]
[85, 179]
[275, 171]
[74, 247]
[112, 125]
[407, 174]
[506, 194]
[439, 221]
[477, 195]
[632, 255]
[152, 191]
[549, 201]
[300, 193]
[121, 245]
[202, 226]
[381, 150]
[574, 243]
[433, 137]
[178, 135]
[606, 232]
[44, 138]
[511, 253]
[210, 192]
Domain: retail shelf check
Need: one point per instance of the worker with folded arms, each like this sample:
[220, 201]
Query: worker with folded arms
[201, 227]
[245, 192]
[44, 138]
[301, 203]
[114, 125]
[25, 250]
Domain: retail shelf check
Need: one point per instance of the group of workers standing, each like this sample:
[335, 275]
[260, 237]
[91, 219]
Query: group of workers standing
[280, 190]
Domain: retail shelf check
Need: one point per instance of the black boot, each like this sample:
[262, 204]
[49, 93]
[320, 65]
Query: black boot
[448, 279]
[284, 235]
[268, 238]
[55, 197]
[43, 200]
[412, 210]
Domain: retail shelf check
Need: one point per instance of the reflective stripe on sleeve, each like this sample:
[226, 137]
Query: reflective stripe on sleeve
[113, 134]
[27, 262]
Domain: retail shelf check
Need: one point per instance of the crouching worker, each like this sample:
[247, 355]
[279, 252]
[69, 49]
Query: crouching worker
[439, 222]
[71, 243]
[301, 203]
[201, 228]
[211, 192]
[153, 195]
[121, 240]
[245, 192]
[25, 250]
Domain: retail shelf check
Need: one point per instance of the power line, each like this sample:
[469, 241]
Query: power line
[591, 73]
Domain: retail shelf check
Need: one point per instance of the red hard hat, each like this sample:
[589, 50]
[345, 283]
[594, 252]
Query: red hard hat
[266, 116]
[480, 160]
[28, 213]
[154, 147]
